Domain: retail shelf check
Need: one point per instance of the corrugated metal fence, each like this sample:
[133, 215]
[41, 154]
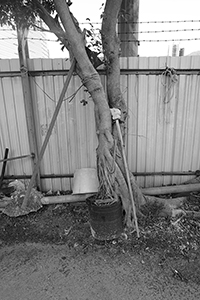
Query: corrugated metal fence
[162, 129]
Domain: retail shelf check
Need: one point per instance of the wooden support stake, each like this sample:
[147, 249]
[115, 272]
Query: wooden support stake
[128, 177]
[22, 34]
[65, 199]
[53, 120]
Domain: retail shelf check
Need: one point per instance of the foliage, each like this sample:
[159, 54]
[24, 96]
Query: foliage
[21, 12]
[93, 38]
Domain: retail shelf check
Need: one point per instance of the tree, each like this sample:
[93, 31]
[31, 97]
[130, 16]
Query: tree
[110, 166]
[128, 27]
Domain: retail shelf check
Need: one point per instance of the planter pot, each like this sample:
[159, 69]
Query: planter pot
[106, 220]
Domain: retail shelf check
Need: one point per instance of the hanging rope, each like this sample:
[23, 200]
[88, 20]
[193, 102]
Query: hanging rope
[168, 80]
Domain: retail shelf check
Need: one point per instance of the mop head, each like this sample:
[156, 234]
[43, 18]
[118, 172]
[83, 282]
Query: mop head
[14, 208]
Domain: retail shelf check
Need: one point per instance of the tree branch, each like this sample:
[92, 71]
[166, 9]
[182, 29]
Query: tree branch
[75, 38]
[52, 24]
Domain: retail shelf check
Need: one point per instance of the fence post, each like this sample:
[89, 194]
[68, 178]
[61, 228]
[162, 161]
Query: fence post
[22, 34]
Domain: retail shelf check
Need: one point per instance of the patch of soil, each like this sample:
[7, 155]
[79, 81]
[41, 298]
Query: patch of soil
[50, 224]
[55, 245]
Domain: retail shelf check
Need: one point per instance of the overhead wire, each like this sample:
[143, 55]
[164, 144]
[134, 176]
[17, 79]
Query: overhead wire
[124, 22]
[148, 31]
[162, 31]
[157, 41]
[126, 32]
[130, 40]
[146, 22]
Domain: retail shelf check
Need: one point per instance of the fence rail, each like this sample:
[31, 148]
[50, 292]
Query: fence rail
[162, 127]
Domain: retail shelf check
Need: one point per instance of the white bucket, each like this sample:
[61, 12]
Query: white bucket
[85, 181]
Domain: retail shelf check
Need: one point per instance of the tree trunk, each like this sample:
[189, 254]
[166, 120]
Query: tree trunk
[111, 46]
[128, 27]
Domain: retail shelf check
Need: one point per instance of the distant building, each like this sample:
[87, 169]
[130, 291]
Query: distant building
[181, 51]
[9, 45]
[175, 50]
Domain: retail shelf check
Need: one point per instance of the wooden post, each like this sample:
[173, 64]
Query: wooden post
[128, 177]
[47, 137]
[22, 34]
[173, 189]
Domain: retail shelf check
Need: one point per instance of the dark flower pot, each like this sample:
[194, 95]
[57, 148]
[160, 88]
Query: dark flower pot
[106, 219]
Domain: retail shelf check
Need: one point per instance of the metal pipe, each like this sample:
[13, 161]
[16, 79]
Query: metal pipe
[137, 174]
[47, 176]
[35, 73]
[4, 166]
[32, 155]
[165, 173]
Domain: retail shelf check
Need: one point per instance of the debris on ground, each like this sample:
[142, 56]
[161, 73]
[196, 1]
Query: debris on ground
[14, 208]
[176, 241]
[11, 201]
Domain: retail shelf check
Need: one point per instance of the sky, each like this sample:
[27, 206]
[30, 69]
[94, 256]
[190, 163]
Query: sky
[150, 10]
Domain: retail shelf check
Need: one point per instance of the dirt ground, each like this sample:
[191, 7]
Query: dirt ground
[50, 254]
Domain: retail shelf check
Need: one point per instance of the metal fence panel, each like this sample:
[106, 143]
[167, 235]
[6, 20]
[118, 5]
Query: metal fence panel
[162, 126]
[164, 133]
[13, 127]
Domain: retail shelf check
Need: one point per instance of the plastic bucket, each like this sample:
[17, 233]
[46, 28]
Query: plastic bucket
[85, 181]
[106, 222]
